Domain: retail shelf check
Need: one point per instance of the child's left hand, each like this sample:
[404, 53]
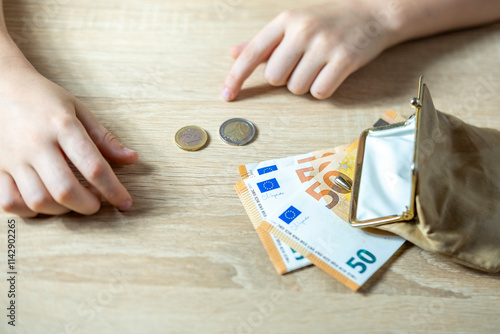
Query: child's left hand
[313, 49]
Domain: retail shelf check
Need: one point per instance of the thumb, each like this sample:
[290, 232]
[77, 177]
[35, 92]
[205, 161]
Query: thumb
[235, 51]
[111, 148]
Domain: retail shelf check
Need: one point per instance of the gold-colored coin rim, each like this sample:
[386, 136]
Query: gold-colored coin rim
[191, 147]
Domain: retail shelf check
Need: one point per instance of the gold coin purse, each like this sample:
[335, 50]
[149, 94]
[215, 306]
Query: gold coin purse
[435, 181]
[385, 178]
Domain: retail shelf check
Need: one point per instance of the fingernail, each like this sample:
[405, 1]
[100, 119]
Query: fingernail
[125, 206]
[128, 151]
[226, 94]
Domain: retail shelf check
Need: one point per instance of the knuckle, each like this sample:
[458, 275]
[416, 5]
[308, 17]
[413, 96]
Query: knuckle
[63, 194]
[345, 60]
[324, 45]
[65, 121]
[250, 53]
[287, 15]
[33, 138]
[306, 28]
[92, 209]
[346, 57]
[108, 137]
[272, 78]
[116, 194]
[38, 203]
[101, 137]
[296, 89]
[95, 170]
[323, 38]
[8, 204]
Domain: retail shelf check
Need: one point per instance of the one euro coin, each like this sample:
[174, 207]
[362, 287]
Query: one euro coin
[191, 138]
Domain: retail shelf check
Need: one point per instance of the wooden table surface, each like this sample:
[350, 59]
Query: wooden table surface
[186, 258]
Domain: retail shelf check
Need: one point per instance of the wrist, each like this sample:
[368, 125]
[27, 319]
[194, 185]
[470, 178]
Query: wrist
[10, 55]
[385, 21]
[405, 21]
[392, 18]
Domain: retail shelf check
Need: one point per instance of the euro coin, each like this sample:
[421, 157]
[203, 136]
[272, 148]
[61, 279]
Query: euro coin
[237, 131]
[191, 138]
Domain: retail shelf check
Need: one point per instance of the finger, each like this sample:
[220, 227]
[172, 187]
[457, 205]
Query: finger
[235, 51]
[63, 185]
[110, 147]
[282, 62]
[94, 191]
[257, 50]
[329, 79]
[10, 198]
[305, 73]
[34, 193]
[83, 153]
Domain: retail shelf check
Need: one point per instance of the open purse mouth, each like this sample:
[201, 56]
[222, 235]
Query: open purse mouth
[385, 179]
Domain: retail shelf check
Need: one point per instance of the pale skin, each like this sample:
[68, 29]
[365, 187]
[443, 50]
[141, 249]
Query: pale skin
[42, 128]
[313, 50]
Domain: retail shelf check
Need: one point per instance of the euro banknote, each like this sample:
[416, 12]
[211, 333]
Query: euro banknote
[293, 169]
[261, 194]
[273, 201]
[346, 253]
[314, 222]
[274, 165]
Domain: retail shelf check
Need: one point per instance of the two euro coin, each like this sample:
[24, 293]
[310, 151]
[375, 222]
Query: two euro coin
[237, 131]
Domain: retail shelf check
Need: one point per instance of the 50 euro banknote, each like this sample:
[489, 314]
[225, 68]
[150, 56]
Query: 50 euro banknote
[261, 194]
[275, 165]
[313, 221]
[292, 172]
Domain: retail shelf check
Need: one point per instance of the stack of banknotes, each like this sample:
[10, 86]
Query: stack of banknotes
[301, 215]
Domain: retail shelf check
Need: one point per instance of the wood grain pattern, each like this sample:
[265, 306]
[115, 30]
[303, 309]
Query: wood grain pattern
[186, 258]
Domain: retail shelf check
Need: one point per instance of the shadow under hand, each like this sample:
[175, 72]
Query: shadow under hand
[147, 194]
[264, 89]
[396, 71]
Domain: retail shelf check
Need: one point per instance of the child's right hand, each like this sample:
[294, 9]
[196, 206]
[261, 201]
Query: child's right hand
[41, 127]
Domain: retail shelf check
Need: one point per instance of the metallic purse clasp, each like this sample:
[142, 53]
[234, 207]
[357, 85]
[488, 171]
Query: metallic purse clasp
[410, 211]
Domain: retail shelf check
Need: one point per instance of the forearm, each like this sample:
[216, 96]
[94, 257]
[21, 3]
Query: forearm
[9, 52]
[2, 20]
[415, 19]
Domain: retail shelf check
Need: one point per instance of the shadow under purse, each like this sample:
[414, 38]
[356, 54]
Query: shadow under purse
[435, 181]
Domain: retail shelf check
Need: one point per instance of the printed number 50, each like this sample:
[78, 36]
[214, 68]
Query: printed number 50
[364, 256]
